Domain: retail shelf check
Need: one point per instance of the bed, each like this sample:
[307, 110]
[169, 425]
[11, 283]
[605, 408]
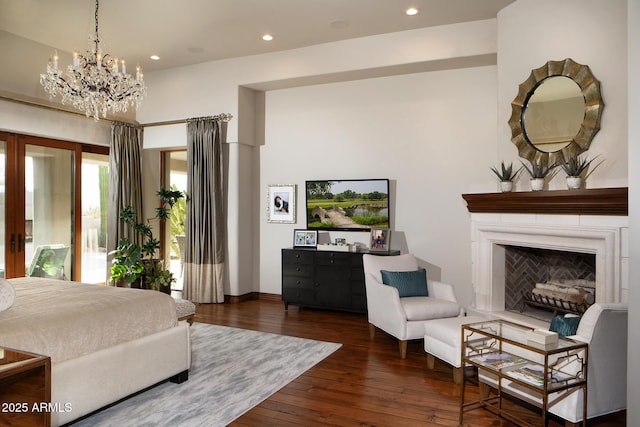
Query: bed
[105, 343]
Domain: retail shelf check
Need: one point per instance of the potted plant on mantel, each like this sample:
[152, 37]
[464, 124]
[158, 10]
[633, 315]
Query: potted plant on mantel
[538, 172]
[133, 262]
[506, 175]
[574, 167]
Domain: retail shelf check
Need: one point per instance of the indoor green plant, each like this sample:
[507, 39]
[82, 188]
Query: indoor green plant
[506, 175]
[157, 277]
[126, 267]
[538, 172]
[574, 167]
[133, 255]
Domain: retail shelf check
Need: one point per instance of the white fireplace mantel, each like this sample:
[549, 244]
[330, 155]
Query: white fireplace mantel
[603, 236]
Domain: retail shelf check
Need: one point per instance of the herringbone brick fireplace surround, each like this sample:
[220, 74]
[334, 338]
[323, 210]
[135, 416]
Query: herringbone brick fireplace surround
[525, 267]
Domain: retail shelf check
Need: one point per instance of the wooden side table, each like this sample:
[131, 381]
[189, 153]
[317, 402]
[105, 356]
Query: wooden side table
[25, 388]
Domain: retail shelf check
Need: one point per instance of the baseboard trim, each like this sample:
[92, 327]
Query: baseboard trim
[234, 299]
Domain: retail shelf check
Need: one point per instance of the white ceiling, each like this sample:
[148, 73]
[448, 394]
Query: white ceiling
[192, 31]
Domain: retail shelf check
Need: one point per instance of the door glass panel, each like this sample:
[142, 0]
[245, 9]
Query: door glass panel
[3, 195]
[177, 181]
[95, 199]
[49, 199]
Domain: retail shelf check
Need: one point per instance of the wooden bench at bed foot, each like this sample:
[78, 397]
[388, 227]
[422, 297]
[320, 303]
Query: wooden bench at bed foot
[185, 310]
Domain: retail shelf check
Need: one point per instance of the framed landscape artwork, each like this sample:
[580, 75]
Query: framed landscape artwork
[281, 204]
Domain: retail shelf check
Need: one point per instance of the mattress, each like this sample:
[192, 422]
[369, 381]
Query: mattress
[65, 320]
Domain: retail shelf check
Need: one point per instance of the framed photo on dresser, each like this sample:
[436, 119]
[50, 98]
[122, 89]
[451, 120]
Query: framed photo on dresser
[305, 238]
[380, 240]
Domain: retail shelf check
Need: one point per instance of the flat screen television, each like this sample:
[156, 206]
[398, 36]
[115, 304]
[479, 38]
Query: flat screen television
[348, 204]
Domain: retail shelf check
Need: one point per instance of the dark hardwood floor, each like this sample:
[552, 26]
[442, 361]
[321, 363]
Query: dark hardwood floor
[364, 383]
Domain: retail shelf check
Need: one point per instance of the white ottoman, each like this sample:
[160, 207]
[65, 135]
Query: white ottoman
[185, 310]
[443, 339]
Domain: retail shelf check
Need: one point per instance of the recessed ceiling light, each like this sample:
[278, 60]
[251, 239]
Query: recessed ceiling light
[339, 24]
[267, 37]
[154, 57]
[411, 11]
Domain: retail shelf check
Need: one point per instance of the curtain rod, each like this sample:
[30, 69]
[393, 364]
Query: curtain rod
[225, 117]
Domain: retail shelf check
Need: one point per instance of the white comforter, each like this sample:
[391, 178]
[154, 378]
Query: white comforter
[65, 320]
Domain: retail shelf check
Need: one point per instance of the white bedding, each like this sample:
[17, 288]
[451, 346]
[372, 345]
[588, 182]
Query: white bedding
[65, 320]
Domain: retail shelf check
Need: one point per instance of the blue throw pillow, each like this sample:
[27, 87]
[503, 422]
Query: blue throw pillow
[565, 325]
[408, 283]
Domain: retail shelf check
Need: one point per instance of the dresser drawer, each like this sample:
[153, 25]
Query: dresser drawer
[297, 270]
[301, 296]
[297, 257]
[289, 282]
[333, 258]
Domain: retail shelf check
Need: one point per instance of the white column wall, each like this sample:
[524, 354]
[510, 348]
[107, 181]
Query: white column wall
[590, 32]
[633, 382]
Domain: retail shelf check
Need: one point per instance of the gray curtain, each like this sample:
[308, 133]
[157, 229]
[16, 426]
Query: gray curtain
[125, 180]
[205, 243]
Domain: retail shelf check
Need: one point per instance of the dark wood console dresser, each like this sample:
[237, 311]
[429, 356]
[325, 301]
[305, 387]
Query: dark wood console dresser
[324, 279]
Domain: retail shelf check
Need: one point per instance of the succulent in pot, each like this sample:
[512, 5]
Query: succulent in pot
[538, 171]
[506, 175]
[575, 166]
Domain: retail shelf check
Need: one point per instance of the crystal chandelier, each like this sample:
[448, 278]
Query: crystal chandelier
[94, 83]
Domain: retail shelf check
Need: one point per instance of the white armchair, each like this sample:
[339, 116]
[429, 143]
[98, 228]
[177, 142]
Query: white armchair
[604, 327]
[403, 318]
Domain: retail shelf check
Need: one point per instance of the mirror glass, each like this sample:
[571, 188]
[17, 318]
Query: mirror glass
[556, 113]
[553, 114]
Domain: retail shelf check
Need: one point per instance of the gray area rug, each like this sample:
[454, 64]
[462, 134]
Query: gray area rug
[232, 370]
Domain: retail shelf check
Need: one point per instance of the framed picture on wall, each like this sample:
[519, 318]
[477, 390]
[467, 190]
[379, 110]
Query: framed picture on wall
[281, 204]
[380, 240]
[305, 238]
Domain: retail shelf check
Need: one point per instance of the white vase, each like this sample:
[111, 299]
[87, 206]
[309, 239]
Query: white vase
[506, 186]
[574, 182]
[537, 184]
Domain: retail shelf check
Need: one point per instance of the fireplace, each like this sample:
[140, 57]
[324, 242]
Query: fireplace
[598, 241]
[544, 282]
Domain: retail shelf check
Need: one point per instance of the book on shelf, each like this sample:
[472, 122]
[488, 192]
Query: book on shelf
[534, 374]
[500, 360]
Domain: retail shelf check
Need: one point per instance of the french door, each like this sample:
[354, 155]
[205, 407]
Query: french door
[40, 201]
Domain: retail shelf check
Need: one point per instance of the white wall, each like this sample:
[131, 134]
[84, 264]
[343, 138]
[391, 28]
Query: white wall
[591, 32]
[633, 382]
[212, 88]
[427, 132]
[24, 119]
[221, 87]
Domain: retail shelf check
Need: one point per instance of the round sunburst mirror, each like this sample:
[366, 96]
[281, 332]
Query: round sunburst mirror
[557, 112]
